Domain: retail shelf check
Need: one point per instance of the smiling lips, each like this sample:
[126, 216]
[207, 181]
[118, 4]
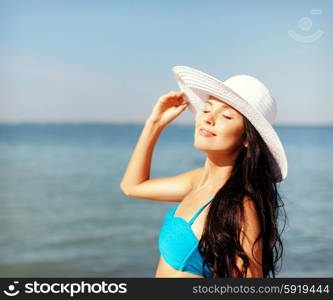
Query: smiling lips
[206, 133]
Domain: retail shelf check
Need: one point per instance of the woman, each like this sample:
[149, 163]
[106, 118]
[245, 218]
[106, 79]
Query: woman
[226, 222]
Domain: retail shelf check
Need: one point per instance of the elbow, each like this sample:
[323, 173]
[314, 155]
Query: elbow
[124, 189]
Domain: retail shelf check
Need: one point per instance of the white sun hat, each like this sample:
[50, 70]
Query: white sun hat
[247, 95]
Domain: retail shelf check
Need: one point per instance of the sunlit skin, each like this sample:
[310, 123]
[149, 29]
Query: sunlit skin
[223, 148]
[194, 188]
[221, 151]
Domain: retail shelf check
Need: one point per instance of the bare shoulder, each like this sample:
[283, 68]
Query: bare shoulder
[173, 188]
[190, 177]
[195, 176]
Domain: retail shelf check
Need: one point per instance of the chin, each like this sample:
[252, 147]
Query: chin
[201, 144]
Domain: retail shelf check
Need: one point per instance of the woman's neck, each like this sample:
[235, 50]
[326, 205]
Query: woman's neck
[216, 172]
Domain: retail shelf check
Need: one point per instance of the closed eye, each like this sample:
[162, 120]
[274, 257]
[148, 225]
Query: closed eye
[227, 117]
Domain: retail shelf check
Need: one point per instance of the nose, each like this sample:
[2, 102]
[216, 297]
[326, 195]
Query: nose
[208, 118]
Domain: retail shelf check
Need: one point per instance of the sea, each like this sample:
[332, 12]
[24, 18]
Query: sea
[62, 213]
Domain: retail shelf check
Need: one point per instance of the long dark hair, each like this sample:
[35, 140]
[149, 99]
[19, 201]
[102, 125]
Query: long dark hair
[252, 176]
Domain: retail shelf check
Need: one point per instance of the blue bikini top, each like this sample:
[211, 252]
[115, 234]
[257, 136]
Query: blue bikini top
[178, 244]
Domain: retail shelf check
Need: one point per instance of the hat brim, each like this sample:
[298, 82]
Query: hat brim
[198, 87]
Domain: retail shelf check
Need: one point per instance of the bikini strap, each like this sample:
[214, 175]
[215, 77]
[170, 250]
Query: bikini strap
[199, 211]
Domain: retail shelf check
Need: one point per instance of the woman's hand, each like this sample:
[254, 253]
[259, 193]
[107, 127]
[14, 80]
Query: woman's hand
[168, 107]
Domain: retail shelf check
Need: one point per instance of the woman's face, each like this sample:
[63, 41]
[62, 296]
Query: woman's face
[225, 124]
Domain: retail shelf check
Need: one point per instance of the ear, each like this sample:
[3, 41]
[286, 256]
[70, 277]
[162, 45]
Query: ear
[245, 144]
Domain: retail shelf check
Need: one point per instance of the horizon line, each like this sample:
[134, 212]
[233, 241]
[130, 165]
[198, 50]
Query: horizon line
[68, 122]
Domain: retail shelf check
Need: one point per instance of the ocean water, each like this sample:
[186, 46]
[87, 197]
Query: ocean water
[63, 214]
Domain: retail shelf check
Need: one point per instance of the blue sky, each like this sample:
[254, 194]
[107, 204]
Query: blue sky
[109, 61]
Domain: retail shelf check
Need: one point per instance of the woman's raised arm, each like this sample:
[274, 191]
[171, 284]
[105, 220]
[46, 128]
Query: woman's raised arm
[136, 181]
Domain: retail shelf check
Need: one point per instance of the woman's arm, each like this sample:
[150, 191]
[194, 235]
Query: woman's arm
[136, 181]
[250, 231]
[138, 169]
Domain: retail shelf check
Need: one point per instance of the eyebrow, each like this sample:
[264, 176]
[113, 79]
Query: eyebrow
[223, 105]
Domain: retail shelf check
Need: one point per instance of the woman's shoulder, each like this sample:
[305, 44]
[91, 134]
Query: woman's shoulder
[195, 175]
